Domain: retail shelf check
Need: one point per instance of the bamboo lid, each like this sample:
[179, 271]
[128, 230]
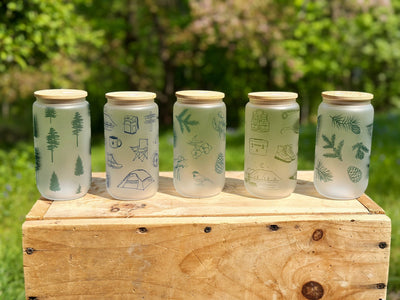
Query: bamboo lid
[347, 95]
[268, 96]
[199, 95]
[131, 96]
[60, 94]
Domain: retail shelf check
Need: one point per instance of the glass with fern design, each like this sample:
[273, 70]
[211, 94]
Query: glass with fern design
[61, 130]
[271, 144]
[343, 144]
[199, 143]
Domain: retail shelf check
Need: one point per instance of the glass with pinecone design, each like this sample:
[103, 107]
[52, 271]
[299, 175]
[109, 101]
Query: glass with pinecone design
[61, 130]
[343, 144]
[199, 143]
[271, 144]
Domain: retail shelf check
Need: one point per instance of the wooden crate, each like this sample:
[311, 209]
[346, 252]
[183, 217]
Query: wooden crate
[231, 246]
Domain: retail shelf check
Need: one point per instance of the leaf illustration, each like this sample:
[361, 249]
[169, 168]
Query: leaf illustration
[184, 121]
[347, 123]
[322, 173]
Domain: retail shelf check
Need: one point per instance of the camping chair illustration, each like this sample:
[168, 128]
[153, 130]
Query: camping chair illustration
[141, 151]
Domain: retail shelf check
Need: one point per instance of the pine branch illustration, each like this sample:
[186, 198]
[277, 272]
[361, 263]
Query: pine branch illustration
[329, 143]
[361, 150]
[322, 173]
[184, 121]
[347, 123]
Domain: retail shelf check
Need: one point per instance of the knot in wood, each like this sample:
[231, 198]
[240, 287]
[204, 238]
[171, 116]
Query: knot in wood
[317, 234]
[142, 230]
[312, 290]
[380, 286]
[207, 229]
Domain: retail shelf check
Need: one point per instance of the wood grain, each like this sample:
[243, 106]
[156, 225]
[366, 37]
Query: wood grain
[233, 201]
[239, 257]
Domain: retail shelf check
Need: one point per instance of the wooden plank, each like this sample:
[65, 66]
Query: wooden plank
[369, 204]
[235, 258]
[233, 201]
[39, 209]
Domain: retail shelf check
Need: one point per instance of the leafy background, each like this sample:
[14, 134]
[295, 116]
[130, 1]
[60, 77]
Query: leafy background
[167, 45]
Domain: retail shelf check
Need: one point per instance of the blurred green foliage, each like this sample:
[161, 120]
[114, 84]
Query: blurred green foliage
[167, 45]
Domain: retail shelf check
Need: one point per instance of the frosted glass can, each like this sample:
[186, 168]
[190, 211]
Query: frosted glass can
[199, 143]
[271, 144]
[61, 130]
[131, 144]
[343, 144]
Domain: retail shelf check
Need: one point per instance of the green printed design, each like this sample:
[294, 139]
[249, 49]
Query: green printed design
[285, 153]
[354, 173]
[369, 129]
[78, 166]
[287, 113]
[347, 123]
[77, 125]
[53, 141]
[35, 127]
[37, 159]
[319, 119]
[54, 184]
[361, 150]
[219, 124]
[184, 121]
[322, 173]
[330, 144]
[78, 191]
[220, 164]
[50, 112]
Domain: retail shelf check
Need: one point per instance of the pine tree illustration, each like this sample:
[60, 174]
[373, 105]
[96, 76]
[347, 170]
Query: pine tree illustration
[35, 127]
[50, 112]
[184, 120]
[37, 159]
[77, 125]
[53, 141]
[54, 184]
[78, 166]
[347, 123]
[322, 173]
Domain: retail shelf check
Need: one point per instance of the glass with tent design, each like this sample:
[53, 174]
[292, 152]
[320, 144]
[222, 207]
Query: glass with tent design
[343, 144]
[131, 144]
[271, 144]
[61, 130]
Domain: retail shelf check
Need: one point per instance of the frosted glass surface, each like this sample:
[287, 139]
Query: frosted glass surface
[62, 149]
[271, 146]
[199, 149]
[342, 151]
[131, 144]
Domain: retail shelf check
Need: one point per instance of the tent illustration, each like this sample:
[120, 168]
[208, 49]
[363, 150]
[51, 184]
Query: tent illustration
[138, 179]
[262, 178]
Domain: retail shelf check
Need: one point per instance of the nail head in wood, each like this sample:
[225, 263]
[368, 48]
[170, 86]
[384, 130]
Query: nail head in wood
[273, 227]
[380, 286]
[142, 230]
[29, 251]
[382, 245]
[312, 290]
[207, 229]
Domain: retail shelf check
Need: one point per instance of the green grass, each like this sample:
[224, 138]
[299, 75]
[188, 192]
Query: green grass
[18, 191]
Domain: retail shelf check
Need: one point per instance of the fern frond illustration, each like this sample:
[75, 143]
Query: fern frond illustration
[361, 150]
[322, 173]
[184, 121]
[347, 123]
[330, 144]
